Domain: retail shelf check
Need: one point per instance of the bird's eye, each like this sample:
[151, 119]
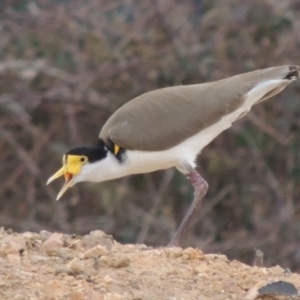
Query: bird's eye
[83, 159]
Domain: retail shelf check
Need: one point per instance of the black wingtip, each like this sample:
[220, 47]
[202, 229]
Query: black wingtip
[293, 73]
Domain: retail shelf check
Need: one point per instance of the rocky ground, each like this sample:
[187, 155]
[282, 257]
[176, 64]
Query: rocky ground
[56, 266]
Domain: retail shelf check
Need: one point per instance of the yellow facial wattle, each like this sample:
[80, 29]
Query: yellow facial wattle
[71, 167]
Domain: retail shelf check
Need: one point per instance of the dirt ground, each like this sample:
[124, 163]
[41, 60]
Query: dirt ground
[55, 266]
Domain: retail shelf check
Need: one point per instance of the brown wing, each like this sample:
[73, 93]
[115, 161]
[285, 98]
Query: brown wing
[161, 119]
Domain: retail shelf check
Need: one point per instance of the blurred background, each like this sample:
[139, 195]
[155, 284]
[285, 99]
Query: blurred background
[67, 65]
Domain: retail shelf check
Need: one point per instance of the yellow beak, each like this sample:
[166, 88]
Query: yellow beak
[68, 177]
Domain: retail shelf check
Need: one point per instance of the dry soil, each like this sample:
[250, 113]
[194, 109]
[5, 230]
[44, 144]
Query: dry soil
[56, 266]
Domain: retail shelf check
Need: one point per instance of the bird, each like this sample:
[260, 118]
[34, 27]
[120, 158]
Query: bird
[168, 128]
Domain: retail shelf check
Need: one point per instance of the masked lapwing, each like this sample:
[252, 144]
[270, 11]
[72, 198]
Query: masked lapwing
[168, 128]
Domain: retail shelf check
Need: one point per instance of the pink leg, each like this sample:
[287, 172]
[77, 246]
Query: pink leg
[201, 187]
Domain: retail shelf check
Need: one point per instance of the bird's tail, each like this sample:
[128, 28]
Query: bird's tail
[293, 73]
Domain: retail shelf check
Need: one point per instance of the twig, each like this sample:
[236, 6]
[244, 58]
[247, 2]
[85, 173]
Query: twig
[38, 65]
[270, 176]
[213, 202]
[156, 199]
[259, 122]
[22, 154]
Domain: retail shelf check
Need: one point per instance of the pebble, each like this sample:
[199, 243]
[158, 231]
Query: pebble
[45, 235]
[173, 252]
[113, 296]
[53, 244]
[36, 258]
[97, 237]
[155, 252]
[12, 244]
[13, 258]
[95, 251]
[85, 294]
[220, 257]
[75, 266]
[107, 279]
[192, 254]
[116, 261]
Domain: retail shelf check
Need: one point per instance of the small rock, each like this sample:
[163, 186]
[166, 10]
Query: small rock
[113, 296]
[193, 254]
[62, 270]
[219, 257]
[222, 257]
[9, 231]
[75, 244]
[143, 247]
[31, 235]
[173, 252]
[107, 279]
[13, 258]
[85, 293]
[3, 284]
[77, 295]
[45, 235]
[287, 271]
[116, 261]
[12, 244]
[247, 283]
[35, 258]
[97, 237]
[18, 297]
[84, 277]
[202, 269]
[264, 271]
[276, 270]
[156, 252]
[53, 244]
[75, 266]
[33, 240]
[95, 251]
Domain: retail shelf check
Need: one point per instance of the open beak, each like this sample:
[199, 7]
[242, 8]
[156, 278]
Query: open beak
[68, 177]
